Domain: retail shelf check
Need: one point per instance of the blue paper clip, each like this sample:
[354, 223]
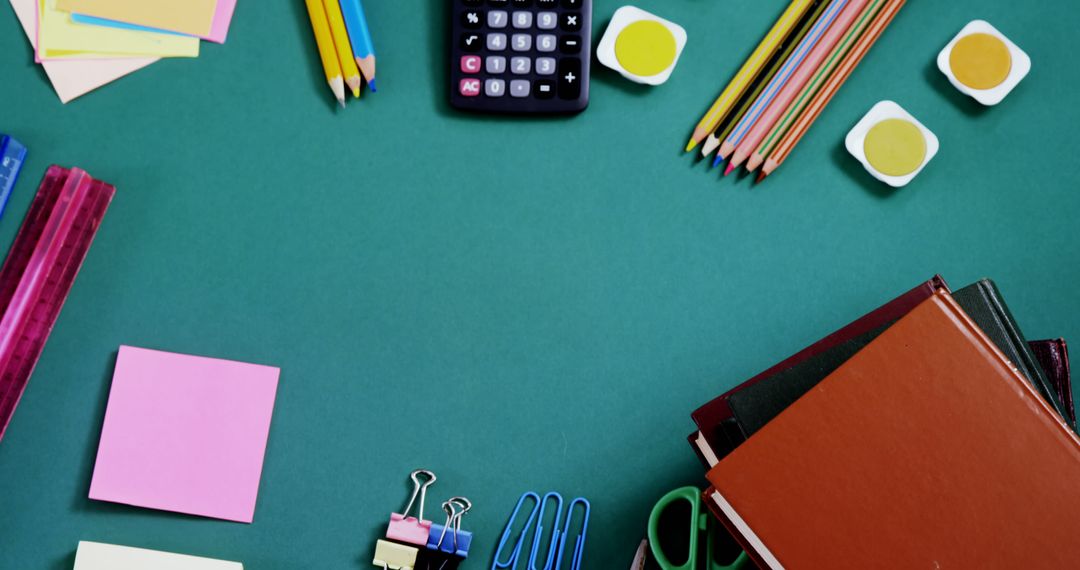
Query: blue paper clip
[513, 560]
[579, 541]
[553, 547]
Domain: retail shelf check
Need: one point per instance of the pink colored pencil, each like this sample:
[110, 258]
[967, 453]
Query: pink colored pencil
[796, 83]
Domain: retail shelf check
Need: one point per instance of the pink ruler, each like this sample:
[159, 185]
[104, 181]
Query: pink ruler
[39, 271]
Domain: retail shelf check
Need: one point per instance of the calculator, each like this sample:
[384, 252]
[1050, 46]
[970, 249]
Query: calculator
[520, 56]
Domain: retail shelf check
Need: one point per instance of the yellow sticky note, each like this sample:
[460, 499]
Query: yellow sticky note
[59, 37]
[194, 17]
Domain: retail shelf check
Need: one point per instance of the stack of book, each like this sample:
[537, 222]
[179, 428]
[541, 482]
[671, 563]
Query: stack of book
[927, 434]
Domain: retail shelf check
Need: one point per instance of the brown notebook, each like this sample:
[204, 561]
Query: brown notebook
[925, 450]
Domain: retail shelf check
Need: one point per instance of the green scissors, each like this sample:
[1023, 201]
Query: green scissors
[701, 527]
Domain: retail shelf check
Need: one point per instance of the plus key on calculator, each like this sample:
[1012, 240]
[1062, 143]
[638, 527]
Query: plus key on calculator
[520, 56]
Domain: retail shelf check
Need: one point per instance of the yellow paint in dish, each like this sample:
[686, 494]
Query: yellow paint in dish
[980, 61]
[895, 147]
[645, 48]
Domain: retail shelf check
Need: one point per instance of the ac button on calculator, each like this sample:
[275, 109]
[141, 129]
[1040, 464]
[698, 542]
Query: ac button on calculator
[520, 56]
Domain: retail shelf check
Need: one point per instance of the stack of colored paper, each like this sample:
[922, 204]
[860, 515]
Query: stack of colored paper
[84, 44]
[930, 433]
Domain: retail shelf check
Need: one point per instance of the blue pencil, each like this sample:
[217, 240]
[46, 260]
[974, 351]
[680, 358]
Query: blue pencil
[360, 37]
[780, 79]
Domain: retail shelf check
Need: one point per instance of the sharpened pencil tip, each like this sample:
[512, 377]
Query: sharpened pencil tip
[761, 176]
[354, 84]
[690, 145]
[730, 167]
[371, 85]
[717, 161]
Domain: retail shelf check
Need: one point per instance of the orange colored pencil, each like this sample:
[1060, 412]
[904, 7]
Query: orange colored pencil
[814, 109]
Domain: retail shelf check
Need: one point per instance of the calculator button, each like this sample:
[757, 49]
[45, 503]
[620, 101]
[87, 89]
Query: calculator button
[546, 43]
[470, 42]
[470, 64]
[522, 42]
[495, 64]
[571, 22]
[572, 3]
[545, 89]
[494, 88]
[520, 65]
[545, 66]
[570, 44]
[471, 19]
[547, 20]
[469, 87]
[519, 88]
[496, 42]
[497, 19]
[523, 20]
[569, 78]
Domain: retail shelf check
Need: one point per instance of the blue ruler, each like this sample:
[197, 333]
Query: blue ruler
[12, 156]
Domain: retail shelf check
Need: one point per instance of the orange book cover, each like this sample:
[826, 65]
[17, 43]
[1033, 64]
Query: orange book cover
[925, 450]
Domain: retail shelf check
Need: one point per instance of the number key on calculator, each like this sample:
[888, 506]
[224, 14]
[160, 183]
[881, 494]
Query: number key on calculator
[520, 56]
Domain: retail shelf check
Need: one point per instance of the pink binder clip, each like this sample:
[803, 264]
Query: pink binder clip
[413, 530]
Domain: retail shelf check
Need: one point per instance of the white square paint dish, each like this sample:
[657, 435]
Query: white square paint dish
[981, 62]
[892, 145]
[641, 46]
[101, 556]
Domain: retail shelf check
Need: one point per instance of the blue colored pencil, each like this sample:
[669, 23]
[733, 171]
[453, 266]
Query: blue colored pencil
[777, 83]
[360, 37]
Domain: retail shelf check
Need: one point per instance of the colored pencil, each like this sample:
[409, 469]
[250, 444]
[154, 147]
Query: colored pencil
[795, 83]
[342, 46]
[813, 111]
[820, 76]
[748, 98]
[739, 84]
[325, 41]
[790, 67]
[363, 49]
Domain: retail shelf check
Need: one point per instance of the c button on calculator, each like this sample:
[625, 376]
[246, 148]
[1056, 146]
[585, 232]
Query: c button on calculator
[470, 64]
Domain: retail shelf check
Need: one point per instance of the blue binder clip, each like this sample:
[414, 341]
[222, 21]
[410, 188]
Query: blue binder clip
[12, 156]
[553, 546]
[515, 554]
[456, 541]
[579, 540]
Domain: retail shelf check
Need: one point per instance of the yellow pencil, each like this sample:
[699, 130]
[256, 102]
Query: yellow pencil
[325, 42]
[749, 71]
[344, 48]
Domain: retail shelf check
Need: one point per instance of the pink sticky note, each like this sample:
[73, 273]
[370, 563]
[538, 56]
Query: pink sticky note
[222, 17]
[185, 434]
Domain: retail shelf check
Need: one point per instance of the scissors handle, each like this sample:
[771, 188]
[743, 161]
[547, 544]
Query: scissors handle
[691, 495]
[711, 527]
[699, 525]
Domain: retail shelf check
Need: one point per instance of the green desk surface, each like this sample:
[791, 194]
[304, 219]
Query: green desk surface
[514, 303]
